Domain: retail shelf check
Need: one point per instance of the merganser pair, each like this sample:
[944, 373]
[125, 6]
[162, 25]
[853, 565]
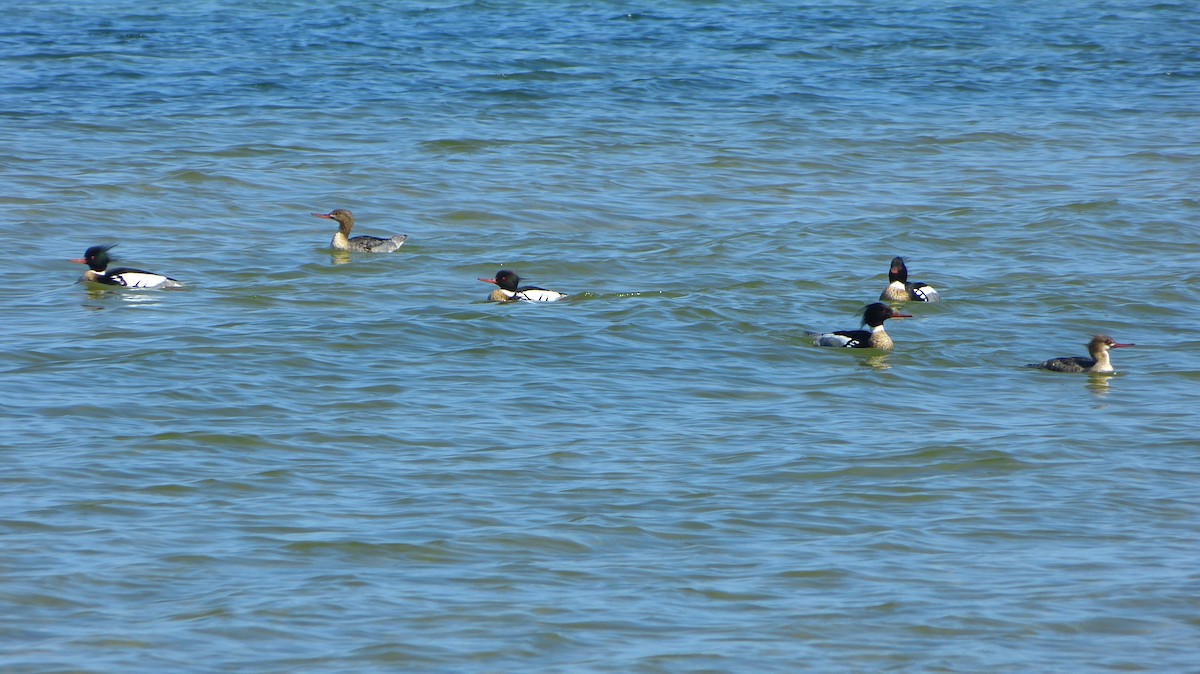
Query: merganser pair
[900, 289]
[1099, 363]
[359, 244]
[876, 338]
[510, 290]
[97, 260]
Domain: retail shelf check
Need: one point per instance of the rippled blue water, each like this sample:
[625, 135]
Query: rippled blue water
[312, 463]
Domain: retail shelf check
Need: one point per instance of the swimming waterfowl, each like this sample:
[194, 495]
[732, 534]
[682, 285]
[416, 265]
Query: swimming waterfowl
[1099, 362]
[97, 260]
[509, 289]
[359, 244]
[876, 338]
[900, 289]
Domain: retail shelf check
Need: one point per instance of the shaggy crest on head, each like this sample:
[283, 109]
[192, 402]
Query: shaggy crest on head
[97, 257]
[876, 313]
[507, 279]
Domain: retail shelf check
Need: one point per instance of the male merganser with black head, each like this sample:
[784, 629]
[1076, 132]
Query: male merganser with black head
[359, 244]
[901, 290]
[873, 316]
[510, 290]
[1098, 363]
[97, 260]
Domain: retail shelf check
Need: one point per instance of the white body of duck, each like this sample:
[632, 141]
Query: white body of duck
[874, 316]
[509, 289]
[359, 244]
[97, 260]
[900, 289]
[1099, 363]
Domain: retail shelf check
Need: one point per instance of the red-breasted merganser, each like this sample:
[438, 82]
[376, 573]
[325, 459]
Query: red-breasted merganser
[1098, 363]
[509, 289]
[873, 316]
[900, 289]
[97, 260]
[359, 244]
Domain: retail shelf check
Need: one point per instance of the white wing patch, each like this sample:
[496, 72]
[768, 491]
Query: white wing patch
[539, 295]
[925, 293]
[831, 339]
[142, 280]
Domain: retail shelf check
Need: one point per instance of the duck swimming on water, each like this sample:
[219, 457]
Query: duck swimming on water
[900, 289]
[876, 338]
[1099, 362]
[510, 290]
[97, 260]
[359, 244]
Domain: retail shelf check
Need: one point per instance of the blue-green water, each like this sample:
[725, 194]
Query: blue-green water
[304, 463]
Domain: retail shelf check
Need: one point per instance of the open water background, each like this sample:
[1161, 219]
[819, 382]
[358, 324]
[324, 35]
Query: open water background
[304, 463]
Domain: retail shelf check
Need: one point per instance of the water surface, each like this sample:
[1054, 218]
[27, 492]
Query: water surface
[305, 462]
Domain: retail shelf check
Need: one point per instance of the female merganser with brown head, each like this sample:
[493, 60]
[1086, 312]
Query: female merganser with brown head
[359, 244]
[1098, 363]
[97, 260]
[901, 290]
[873, 316]
[509, 289]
